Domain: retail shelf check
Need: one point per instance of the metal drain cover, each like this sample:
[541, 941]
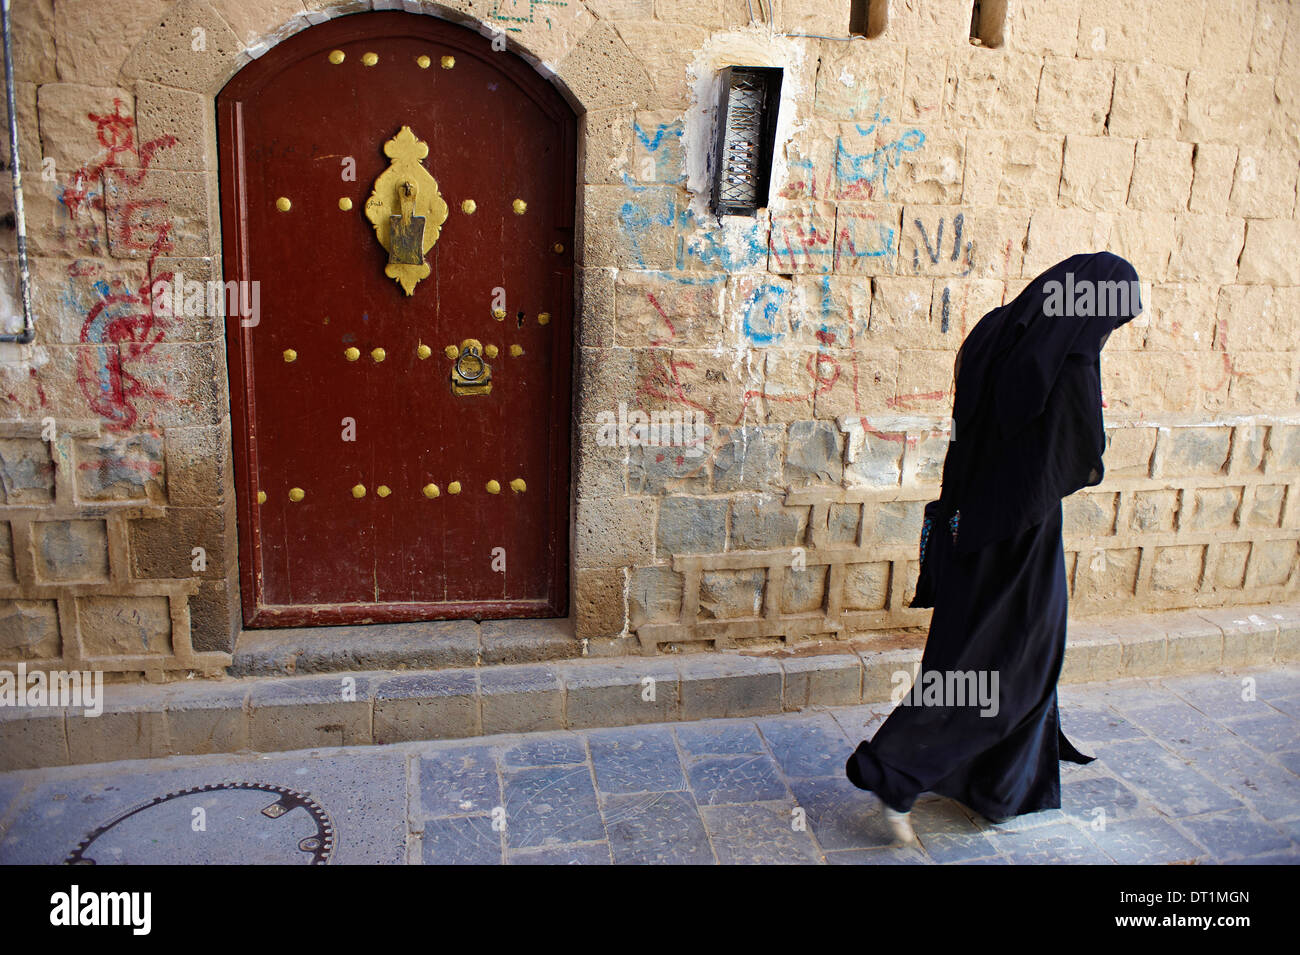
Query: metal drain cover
[218, 824]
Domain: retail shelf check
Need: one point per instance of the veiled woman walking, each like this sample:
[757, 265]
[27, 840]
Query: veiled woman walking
[1027, 432]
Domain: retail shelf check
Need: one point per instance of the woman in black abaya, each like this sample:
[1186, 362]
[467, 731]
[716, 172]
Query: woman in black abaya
[1027, 431]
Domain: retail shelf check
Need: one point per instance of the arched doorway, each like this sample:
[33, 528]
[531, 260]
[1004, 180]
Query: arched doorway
[402, 194]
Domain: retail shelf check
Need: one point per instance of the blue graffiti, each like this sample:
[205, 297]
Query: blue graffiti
[761, 311]
[869, 170]
[673, 129]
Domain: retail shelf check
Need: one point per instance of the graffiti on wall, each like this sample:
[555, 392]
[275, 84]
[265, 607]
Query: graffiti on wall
[121, 323]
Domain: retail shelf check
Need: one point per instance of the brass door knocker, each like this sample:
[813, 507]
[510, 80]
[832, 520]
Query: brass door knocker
[406, 210]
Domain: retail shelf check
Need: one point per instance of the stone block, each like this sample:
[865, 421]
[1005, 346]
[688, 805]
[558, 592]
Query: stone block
[814, 454]
[896, 522]
[655, 596]
[1267, 257]
[34, 36]
[70, 550]
[866, 238]
[311, 712]
[1162, 176]
[661, 308]
[875, 460]
[29, 630]
[1106, 575]
[1091, 656]
[1266, 509]
[1226, 39]
[1283, 449]
[77, 129]
[1192, 451]
[851, 86]
[1097, 171]
[426, 706]
[173, 207]
[660, 469]
[1193, 645]
[1128, 452]
[657, 153]
[1182, 318]
[32, 741]
[842, 523]
[613, 532]
[762, 522]
[26, 472]
[1213, 167]
[887, 674]
[124, 730]
[978, 88]
[119, 626]
[1154, 511]
[521, 699]
[206, 717]
[186, 542]
[802, 238]
[620, 693]
[128, 467]
[804, 591]
[1234, 108]
[185, 121]
[173, 53]
[1264, 185]
[599, 605]
[1056, 234]
[601, 72]
[1178, 568]
[1230, 568]
[866, 586]
[1272, 563]
[1074, 96]
[726, 594]
[526, 641]
[690, 525]
[831, 679]
[1214, 508]
[1090, 515]
[724, 686]
[748, 459]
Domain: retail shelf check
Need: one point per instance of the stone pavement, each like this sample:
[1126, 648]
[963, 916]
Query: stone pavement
[1186, 771]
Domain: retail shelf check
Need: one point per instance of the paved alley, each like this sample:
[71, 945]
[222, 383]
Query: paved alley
[1189, 769]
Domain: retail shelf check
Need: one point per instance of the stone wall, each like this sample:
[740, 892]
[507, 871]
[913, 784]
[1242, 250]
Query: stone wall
[920, 180]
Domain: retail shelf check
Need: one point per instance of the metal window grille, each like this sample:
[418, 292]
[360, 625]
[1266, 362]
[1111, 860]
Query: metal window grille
[742, 157]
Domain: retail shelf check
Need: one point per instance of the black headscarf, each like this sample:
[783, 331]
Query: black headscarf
[1027, 421]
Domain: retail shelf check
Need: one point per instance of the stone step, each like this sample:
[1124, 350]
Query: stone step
[377, 706]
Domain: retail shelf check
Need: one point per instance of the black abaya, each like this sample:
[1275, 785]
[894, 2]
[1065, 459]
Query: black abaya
[1028, 432]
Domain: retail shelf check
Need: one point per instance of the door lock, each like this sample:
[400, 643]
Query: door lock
[470, 375]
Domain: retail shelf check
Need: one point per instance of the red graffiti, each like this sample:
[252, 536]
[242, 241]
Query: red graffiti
[122, 323]
[672, 329]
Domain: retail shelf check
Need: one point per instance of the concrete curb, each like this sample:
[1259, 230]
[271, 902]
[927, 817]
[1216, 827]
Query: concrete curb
[272, 714]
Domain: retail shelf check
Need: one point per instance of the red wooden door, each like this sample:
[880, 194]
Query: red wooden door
[370, 487]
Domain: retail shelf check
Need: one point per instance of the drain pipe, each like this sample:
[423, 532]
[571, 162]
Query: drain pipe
[20, 224]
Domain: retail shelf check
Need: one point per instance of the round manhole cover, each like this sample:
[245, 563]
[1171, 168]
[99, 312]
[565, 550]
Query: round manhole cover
[222, 823]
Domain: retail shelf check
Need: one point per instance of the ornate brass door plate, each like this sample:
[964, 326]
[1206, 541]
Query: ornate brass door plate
[406, 209]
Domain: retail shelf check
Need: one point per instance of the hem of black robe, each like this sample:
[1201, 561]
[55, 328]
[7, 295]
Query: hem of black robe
[865, 771]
